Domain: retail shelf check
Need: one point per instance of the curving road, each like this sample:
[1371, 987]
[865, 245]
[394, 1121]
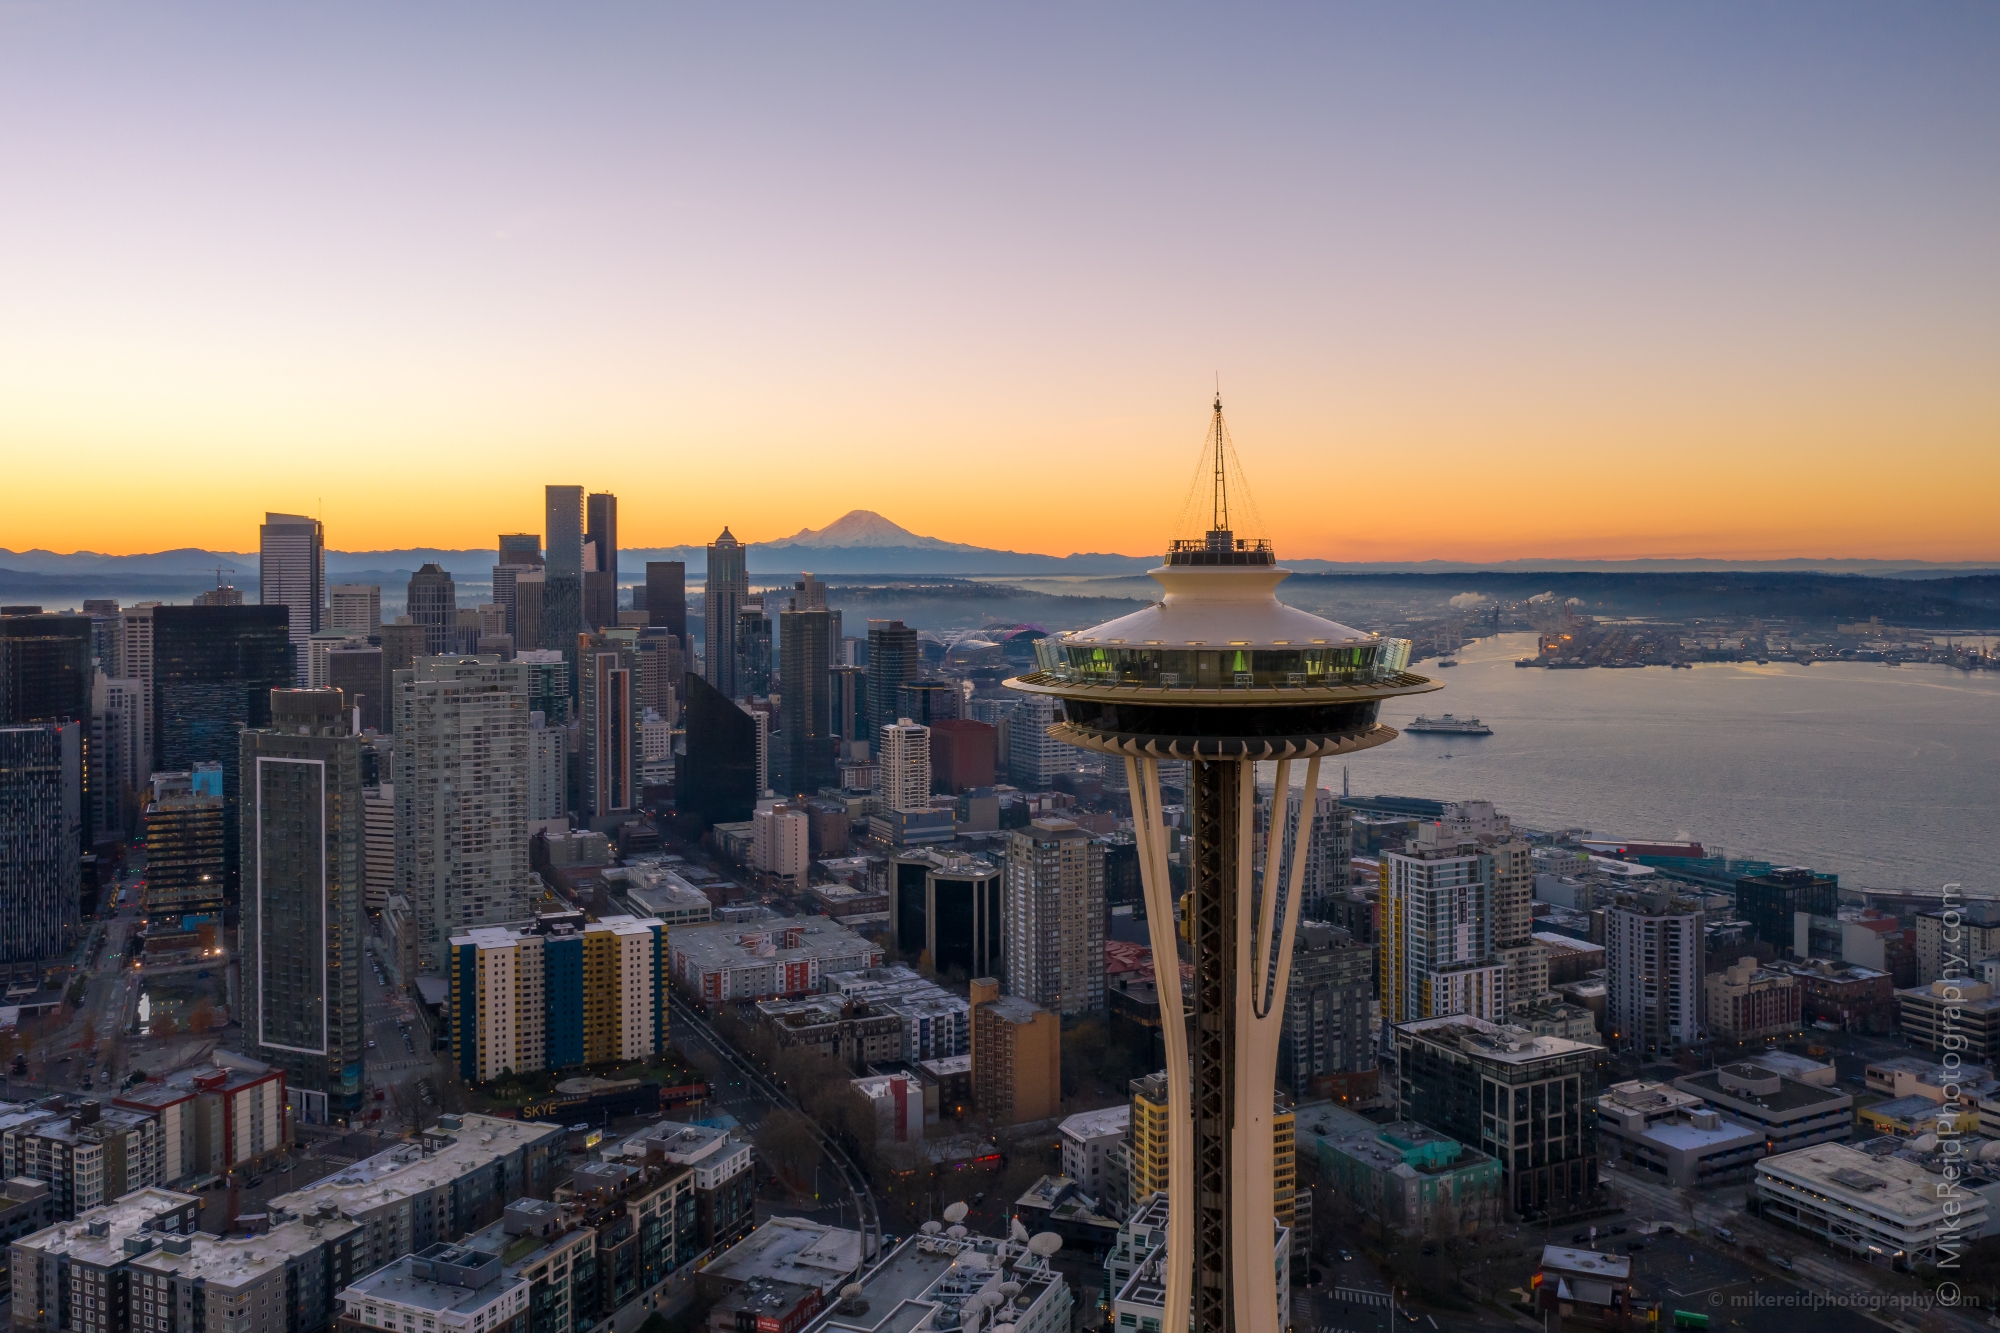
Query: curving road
[692, 1024]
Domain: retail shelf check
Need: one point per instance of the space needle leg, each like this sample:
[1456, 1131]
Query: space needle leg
[1143, 777]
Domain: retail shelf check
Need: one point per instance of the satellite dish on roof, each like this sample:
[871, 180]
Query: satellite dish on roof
[851, 1290]
[1924, 1142]
[1990, 1151]
[1003, 1328]
[930, 1228]
[1045, 1243]
[1010, 1289]
[955, 1232]
[1019, 1232]
[955, 1212]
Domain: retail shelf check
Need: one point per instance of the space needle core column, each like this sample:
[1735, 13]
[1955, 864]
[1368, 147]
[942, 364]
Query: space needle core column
[1223, 675]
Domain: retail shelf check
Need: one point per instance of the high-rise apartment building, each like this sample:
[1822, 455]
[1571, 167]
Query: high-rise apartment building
[1033, 756]
[432, 602]
[557, 997]
[1149, 1169]
[1329, 850]
[186, 837]
[378, 852]
[1055, 916]
[1326, 1049]
[214, 668]
[1435, 943]
[962, 755]
[548, 768]
[119, 754]
[135, 660]
[929, 701]
[1016, 1056]
[304, 865]
[561, 613]
[461, 779]
[661, 667]
[903, 775]
[355, 607]
[548, 684]
[1654, 955]
[41, 829]
[781, 843]
[600, 572]
[718, 780]
[893, 660]
[725, 587]
[806, 709]
[1518, 1097]
[666, 600]
[291, 572]
[610, 727]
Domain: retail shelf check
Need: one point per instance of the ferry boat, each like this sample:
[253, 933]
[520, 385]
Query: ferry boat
[1456, 726]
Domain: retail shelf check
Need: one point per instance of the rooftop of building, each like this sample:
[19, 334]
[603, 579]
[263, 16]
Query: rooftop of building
[682, 1143]
[1401, 1147]
[182, 1084]
[444, 1278]
[929, 1279]
[1587, 1263]
[237, 1261]
[1765, 1089]
[1887, 1186]
[459, 1144]
[1980, 912]
[1012, 1009]
[1686, 1134]
[1565, 943]
[1641, 1094]
[791, 1249]
[98, 1235]
[1965, 994]
[1103, 1122]
[947, 1065]
[728, 943]
[1491, 1041]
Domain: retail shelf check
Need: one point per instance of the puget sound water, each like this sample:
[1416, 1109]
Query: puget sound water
[1887, 776]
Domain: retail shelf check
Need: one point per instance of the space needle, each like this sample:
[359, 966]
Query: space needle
[1221, 674]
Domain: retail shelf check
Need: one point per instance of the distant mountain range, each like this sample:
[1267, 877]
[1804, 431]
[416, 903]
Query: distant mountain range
[860, 543]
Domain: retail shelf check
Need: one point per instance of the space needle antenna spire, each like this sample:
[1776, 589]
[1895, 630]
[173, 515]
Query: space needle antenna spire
[1220, 519]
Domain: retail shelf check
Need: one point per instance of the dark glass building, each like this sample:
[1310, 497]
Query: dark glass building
[356, 671]
[41, 822]
[214, 668]
[45, 676]
[303, 863]
[948, 906]
[928, 702]
[804, 703]
[753, 650]
[1767, 902]
[667, 600]
[561, 612]
[892, 662]
[717, 779]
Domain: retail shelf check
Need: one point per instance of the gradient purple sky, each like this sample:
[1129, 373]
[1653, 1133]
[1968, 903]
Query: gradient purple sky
[1480, 281]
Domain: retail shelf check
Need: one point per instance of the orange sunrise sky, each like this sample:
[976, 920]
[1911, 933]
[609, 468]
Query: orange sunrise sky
[1479, 283]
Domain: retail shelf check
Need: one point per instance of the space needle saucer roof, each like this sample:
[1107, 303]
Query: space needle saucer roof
[1219, 666]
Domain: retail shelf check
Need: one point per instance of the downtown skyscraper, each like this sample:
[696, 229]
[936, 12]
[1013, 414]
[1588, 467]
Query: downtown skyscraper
[600, 561]
[610, 730]
[805, 702]
[41, 826]
[560, 617]
[291, 572]
[727, 587]
[303, 872]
